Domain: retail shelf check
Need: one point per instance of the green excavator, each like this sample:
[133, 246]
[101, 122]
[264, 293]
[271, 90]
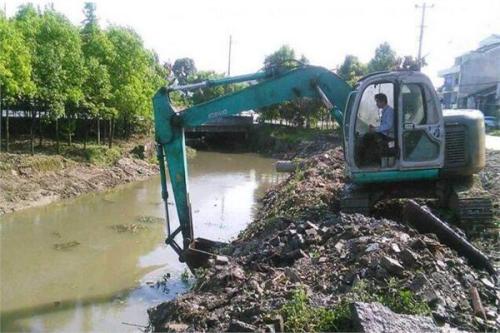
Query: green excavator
[434, 153]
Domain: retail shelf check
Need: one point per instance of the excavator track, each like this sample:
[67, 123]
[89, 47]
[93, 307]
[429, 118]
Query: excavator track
[472, 205]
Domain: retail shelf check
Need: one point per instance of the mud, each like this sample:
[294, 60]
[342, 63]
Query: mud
[29, 181]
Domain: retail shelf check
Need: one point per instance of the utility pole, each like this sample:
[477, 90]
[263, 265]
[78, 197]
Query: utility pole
[229, 57]
[419, 56]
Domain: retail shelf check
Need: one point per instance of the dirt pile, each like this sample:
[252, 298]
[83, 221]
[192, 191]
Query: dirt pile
[27, 181]
[301, 265]
[490, 177]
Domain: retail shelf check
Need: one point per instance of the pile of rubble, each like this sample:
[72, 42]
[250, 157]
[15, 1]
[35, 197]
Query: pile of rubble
[301, 243]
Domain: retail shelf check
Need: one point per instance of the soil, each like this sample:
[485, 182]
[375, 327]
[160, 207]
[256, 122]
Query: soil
[301, 241]
[28, 181]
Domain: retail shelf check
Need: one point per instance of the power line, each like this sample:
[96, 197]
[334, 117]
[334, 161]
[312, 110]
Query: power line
[424, 6]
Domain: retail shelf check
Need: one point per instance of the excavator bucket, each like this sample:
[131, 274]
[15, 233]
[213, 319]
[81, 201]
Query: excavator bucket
[199, 252]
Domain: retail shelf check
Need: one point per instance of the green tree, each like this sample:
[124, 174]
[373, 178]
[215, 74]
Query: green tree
[135, 75]
[352, 69]
[206, 94]
[15, 69]
[301, 111]
[184, 68]
[385, 59]
[60, 67]
[283, 59]
[98, 52]
[28, 22]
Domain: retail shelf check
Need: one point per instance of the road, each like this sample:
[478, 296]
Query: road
[492, 142]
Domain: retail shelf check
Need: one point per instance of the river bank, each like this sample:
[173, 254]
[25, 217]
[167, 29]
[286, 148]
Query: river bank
[31, 181]
[35, 180]
[302, 266]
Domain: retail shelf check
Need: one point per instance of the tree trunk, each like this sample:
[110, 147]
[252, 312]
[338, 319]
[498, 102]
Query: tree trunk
[68, 122]
[7, 130]
[40, 136]
[86, 135]
[105, 133]
[32, 132]
[98, 131]
[57, 135]
[110, 135]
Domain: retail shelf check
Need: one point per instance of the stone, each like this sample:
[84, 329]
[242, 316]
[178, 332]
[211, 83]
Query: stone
[240, 326]
[392, 265]
[395, 248]
[176, 327]
[255, 285]
[339, 246]
[310, 225]
[292, 275]
[488, 283]
[375, 318]
[372, 247]
[279, 324]
[221, 260]
[275, 241]
[409, 258]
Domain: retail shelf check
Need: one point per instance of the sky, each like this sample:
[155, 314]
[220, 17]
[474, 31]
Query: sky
[325, 31]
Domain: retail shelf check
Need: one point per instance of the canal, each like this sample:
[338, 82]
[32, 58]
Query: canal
[93, 263]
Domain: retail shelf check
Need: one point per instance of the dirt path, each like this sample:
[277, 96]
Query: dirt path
[29, 181]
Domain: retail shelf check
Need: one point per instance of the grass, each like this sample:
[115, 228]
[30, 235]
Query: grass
[299, 315]
[100, 155]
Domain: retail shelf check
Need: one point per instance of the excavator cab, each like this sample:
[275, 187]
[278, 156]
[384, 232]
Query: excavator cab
[417, 143]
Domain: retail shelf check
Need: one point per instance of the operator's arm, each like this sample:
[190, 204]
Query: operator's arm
[387, 122]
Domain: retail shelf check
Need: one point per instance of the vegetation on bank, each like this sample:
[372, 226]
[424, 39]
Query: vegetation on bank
[301, 316]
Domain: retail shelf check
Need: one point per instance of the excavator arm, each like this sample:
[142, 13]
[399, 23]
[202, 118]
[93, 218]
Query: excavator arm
[271, 88]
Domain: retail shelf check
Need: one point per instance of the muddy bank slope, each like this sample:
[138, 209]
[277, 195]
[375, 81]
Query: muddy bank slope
[301, 265]
[28, 181]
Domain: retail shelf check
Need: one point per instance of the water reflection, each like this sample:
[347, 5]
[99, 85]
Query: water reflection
[63, 268]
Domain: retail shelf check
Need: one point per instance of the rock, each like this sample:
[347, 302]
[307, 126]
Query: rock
[221, 260]
[292, 275]
[176, 327]
[275, 241]
[240, 326]
[340, 246]
[374, 318]
[322, 260]
[269, 328]
[392, 265]
[409, 258]
[255, 285]
[488, 283]
[395, 248]
[310, 225]
[440, 314]
[279, 324]
[372, 247]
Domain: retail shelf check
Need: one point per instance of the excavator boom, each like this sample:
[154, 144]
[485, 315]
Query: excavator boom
[270, 88]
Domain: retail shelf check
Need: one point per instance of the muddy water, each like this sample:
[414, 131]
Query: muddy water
[66, 267]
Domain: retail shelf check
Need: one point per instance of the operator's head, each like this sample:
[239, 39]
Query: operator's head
[381, 100]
